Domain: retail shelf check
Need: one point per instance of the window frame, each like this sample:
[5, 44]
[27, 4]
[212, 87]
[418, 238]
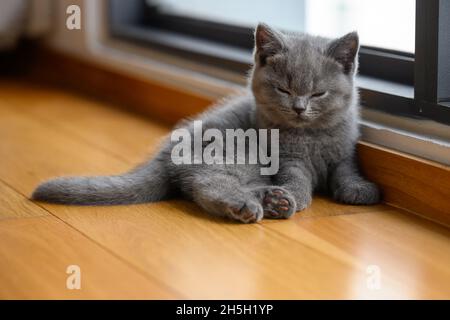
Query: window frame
[422, 75]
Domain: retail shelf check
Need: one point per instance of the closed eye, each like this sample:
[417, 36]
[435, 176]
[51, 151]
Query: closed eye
[318, 94]
[283, 90]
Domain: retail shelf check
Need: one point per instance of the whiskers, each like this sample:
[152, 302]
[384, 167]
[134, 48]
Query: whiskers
[312, 113]
[287, 111]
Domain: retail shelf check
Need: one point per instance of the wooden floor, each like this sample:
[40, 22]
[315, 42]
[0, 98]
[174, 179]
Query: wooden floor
[172, 249]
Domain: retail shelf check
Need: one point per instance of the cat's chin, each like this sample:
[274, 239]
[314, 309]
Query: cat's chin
[301, 122]
[302, 125]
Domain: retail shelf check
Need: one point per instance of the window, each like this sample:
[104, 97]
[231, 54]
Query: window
[329, 18]
[404, 58]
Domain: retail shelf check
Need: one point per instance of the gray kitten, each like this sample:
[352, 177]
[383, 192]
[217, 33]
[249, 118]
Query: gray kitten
[301, 85]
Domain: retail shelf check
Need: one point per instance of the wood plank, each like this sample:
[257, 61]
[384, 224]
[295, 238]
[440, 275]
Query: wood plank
[31, 148]
[36, 252]
[209, 258]
[409, 182]
[411, 253]
[14, 205]
[307, 256]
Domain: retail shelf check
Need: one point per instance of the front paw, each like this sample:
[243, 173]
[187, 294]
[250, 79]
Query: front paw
[278, 203]
[359, 192]
[249, 212]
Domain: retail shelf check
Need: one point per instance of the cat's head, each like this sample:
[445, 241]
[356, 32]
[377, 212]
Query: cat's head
[303, 81]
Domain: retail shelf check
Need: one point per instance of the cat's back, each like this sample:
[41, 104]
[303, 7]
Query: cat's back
[233, 112]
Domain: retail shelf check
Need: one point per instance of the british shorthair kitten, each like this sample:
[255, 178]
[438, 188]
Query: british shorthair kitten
[301, 85]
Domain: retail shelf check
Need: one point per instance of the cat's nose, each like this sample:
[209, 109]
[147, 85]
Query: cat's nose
[300, 105]
[299, 109]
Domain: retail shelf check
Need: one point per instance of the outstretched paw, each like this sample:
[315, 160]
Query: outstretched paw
[361, 192]
[250, 212]
[278, 203]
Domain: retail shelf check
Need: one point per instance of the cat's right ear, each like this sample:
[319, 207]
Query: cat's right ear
[268, 42]
[345, 51]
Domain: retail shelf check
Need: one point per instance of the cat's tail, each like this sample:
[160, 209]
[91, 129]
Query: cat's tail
[147, 183]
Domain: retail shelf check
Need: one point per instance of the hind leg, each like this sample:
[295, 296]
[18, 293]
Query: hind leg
[348, 186]
[223, 195]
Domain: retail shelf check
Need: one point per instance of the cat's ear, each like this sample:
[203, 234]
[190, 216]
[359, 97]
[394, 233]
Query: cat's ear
[344, 50]
[268, 42]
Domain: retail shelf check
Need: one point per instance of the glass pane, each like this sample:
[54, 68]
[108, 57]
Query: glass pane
[380, 23]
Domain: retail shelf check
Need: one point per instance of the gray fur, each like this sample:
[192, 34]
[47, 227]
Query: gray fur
[132, 187]
[301, 85]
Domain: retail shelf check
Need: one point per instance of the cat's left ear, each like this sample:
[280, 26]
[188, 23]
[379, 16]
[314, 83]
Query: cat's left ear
[344, 50]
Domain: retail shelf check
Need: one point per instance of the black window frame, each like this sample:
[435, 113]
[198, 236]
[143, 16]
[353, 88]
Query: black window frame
[424, 77]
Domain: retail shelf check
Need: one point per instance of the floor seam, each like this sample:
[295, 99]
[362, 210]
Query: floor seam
[117, 256]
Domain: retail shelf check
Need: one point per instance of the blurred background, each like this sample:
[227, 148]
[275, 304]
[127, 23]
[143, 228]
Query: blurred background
[383, 23]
